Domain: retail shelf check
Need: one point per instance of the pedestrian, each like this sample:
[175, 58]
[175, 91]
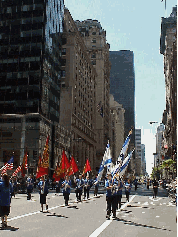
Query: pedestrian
[13, 187]
[119, 193]
[5, 199]
[128, 187]
[58, 186]
[148, 183]
[87, 185]
[79, 187]
[29, 187]
[155, 188]
[96, 186]
[66, 184]
[43, 191]
[135, 183]
[111, 198]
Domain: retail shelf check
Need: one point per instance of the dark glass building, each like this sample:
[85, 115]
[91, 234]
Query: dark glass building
[30, 75]
[30, 55]
[122, 85]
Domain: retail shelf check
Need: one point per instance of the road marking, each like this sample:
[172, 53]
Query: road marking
[30, 214]
[100, 229]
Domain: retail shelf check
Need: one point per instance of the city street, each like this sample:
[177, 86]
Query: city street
[143, 215]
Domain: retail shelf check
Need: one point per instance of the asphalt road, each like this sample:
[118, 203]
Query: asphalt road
[142, 216]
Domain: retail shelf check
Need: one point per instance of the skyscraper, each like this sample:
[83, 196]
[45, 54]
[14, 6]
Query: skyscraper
[30, 59]
[122, 87]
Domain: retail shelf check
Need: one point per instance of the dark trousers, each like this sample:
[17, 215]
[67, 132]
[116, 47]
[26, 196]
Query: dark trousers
[111, 202]
[96, 190]
[66, 198]
[118, 201]
[78, 194]
[135, 187]
[86, 191]
[155, 192]
[29, 191]
[147, 186]
[127, 195]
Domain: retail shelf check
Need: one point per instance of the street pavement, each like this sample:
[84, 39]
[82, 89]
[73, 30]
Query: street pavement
[142, 216]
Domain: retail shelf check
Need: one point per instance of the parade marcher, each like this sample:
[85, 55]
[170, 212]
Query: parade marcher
[58, 186]
[155, 188]
[96, 185]
[66, 189]
[12, 187]
[119, 193]
[148, 183]
[43, 191]
[135, 183]
[5, 199]
[29, 187]
[111, 198]
[79, 188]
[87, 185]
[128, 187]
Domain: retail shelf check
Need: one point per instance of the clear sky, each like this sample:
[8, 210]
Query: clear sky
[136, 26]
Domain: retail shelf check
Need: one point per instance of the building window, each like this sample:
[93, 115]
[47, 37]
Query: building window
[93, 55]
[94, 62]
[94, 40]
[94, 33]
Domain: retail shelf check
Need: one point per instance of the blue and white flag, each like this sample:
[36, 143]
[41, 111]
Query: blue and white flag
[124, 148]
[121, 168]
[125, 163]
[106, 162]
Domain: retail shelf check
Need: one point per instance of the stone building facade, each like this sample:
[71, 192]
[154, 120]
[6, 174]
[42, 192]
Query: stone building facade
[78, 94]
[98, 52]
[116, 127]
[138, 154]
[168, 48]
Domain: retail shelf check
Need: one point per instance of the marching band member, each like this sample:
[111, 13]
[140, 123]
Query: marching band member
[29, 187]
[87, 185]
[128, 187]
[43, 191]
[79, 188]
[119, 193]
[111, 199]
[66, 189]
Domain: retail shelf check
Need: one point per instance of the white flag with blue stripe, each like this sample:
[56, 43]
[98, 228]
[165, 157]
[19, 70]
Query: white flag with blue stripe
[124, 148]
[106, 162]
[126, 163]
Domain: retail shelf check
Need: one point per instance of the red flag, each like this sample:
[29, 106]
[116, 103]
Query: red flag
[43, 164]
[58, 173]
[24, 164]
[87, 167]
[73, 167]
[65, 162]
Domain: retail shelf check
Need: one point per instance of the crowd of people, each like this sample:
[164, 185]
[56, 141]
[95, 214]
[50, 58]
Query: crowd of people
[114, 189]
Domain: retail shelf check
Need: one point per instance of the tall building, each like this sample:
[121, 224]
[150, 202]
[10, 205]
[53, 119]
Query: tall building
[78, 94]
[98, 51]
[159, 140]
[122, 87]
[143, 160]
[138, 153]
[168, 47]
[30, 39]
[116, 127]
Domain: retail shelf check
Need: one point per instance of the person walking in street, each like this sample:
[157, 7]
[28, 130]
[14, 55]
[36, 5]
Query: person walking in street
[66, 184]
[128, 187]
[43, 191]
[119, 193]
[135, 183]
[96, 186]
[79, 187]
[5, 199]
[111, 196]
[155, 188]
[87, 185]
[148, 183]
[29, 187]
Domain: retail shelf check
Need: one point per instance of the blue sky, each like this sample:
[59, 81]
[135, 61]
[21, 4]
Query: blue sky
[135, 25]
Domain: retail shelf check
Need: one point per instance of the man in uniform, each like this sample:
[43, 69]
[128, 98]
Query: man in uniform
[111, 198]
[87, 185]
[79, 187]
